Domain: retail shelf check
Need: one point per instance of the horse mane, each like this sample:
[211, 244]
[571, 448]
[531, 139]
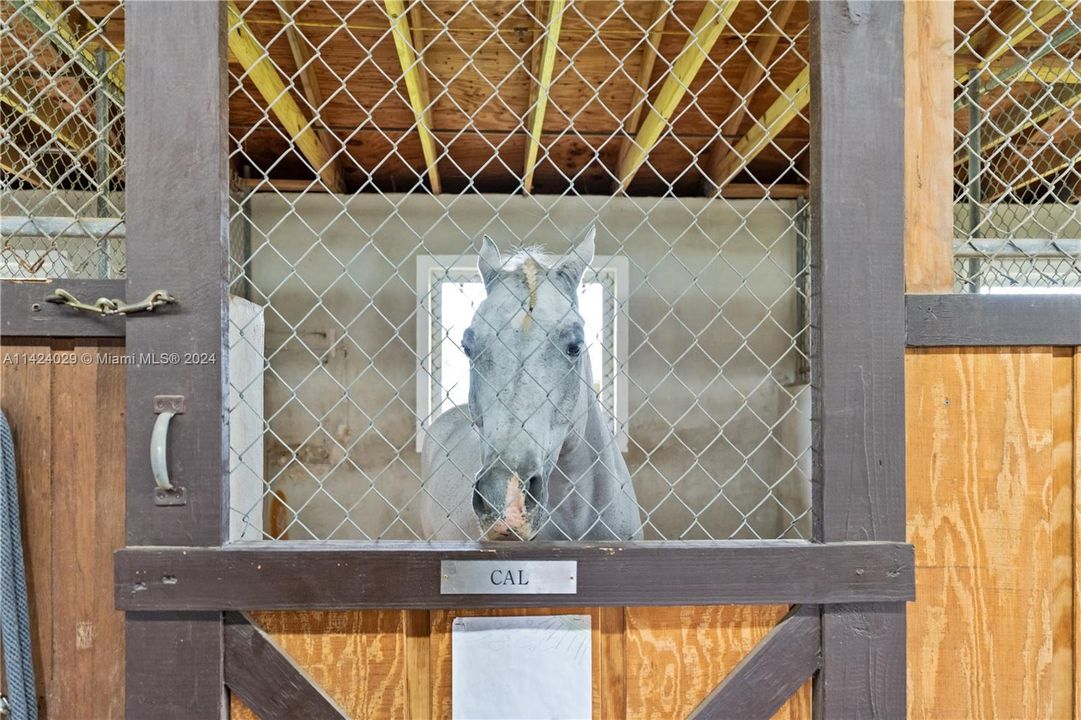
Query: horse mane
[527, 262]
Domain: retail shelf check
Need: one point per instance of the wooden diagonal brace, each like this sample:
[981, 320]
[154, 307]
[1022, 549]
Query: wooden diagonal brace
[267, 679]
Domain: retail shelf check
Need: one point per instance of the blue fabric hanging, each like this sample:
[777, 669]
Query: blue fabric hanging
[14, 603]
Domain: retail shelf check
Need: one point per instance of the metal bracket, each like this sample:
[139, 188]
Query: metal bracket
[170, 498]
[176, 404]
[166, 494]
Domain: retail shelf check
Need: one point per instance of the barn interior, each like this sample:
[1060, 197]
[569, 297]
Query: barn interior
[367, 139]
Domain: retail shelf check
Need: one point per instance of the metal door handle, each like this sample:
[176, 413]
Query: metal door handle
[159, 441]
[165, 492]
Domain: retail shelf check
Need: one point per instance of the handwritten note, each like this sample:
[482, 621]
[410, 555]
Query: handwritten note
[521, 668]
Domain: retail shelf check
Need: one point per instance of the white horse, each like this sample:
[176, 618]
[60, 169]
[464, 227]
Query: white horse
[530, 456]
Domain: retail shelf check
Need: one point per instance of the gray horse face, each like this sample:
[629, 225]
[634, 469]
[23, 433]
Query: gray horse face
[527, 385]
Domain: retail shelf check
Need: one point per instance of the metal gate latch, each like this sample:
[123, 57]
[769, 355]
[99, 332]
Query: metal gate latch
[106, 307]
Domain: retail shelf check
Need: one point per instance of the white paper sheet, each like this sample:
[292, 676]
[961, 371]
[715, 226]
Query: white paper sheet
[521, 668]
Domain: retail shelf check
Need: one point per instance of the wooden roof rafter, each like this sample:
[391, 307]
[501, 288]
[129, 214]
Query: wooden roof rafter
[707, 30]
[749, 84]
[999, 37]
[13, 163]
[1021, 116]
[264, 74]
[659, 17]
[542, 67]
[789, 104]
[1055, 150]
[416, 83]
[69, 126]
[50, 19]
[305, 64]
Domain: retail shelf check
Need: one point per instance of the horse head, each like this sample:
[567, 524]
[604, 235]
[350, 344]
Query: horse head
[529, 381]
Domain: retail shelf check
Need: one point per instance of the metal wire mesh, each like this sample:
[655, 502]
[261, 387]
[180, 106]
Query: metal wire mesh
[1018, 89]
[378, 142]
[62, 144]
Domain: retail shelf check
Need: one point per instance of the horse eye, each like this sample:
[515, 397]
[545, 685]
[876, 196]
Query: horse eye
[575, 348]
[467, 342]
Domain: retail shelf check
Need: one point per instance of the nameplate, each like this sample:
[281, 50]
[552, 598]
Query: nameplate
[508, 577]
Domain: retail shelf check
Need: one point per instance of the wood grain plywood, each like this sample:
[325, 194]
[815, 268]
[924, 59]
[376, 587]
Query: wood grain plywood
[1063, 668]
[1076, 565]
[358, 658]
[676, 655]
[980, 480]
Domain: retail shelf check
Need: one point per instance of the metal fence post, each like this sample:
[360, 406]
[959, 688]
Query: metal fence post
[858, 334]
[177, 210]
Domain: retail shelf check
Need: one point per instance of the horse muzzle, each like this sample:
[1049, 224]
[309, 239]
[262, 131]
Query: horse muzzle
[507, 507]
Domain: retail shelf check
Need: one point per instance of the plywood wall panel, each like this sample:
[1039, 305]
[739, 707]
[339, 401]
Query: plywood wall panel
[1063, 668]
[1076, 565]
[982, 476]
[358, 658]
[676, 655]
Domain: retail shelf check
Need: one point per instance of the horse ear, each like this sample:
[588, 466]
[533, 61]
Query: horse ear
[489, 261]
[579, 258]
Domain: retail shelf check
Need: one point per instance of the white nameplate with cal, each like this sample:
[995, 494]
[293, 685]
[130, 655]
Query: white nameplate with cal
[508, 577]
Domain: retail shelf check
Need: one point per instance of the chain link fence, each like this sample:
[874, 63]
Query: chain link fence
[378, 142]
[1018, 140]
[62, 144]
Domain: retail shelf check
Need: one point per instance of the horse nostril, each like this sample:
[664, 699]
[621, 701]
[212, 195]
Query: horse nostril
[533, 488]
[480, 505]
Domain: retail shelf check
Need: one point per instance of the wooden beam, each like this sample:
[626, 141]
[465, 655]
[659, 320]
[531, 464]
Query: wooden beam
[13, 162]
[416, 84]
[255, 59]
[711, 23]
[733, 191]
[857, 328]
[543, 69]
[763, 681]
[776, 191]
[792, 100]
[640, 97]
[267, 680]
[978, 320]
[748, 86]
[71, 127]
[996, 39]
[1025, 113]
[314, 575]
[303, 59]
[177, 215]
[1051, 71]
[928, 147]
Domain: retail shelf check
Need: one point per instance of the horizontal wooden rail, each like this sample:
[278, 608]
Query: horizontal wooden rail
[313, 574]
[24, 312]
[973, 320]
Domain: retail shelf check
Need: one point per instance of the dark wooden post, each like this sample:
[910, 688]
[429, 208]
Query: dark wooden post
[858, 334]
[177, 207]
